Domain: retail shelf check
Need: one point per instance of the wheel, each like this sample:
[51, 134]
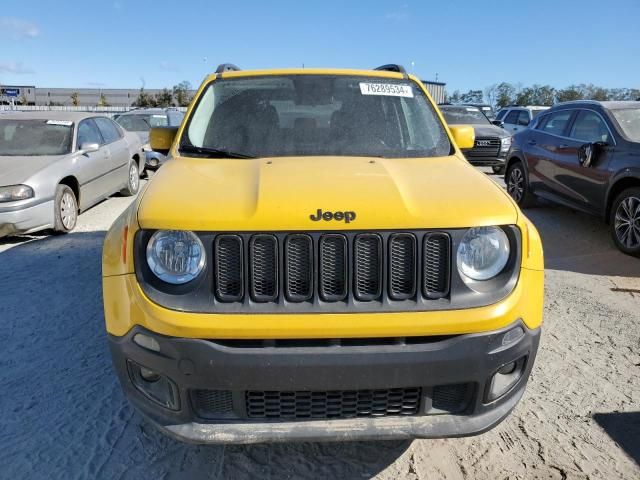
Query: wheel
[518, 186]
[625, 221]
[133, 181]
[498, 170]
[66, 210]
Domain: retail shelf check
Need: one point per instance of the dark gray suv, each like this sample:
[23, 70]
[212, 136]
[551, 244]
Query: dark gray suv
[585, 155]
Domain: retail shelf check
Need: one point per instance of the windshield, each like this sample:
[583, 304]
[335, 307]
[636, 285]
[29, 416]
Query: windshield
[35, 137]
[142, 122]
[310, 115]
[629, 121]
[464, 116]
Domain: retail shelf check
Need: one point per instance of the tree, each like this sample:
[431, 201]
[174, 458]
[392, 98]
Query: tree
[454, 97]
[572, 92]
[23, 100]
[501, 94]
[75, 99]
[181, 93]
[144, 100]
[103, 101]
[164, 98]
[472, 96]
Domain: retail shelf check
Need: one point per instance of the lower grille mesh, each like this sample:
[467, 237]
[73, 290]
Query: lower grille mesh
[333, 404]
[212, 403]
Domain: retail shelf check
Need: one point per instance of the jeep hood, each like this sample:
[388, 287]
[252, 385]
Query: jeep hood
[281, 194]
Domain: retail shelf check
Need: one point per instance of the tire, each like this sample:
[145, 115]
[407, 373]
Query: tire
[625, 221]
[133, 180]
[518, 185]
[65, 210]
[498, 170]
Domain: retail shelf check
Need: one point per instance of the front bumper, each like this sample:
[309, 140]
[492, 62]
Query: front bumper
[498, 161]
[26, 220]
[154, 160]
[431, 364]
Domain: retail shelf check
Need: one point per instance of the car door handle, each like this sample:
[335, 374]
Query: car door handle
[531, 142]
[563, 146]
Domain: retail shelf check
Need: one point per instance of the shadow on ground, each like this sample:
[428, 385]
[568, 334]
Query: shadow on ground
[63, 412]
[624, 429]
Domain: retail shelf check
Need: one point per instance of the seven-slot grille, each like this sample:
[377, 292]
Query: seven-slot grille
[484, 147]
[333, 404]
[331, 267]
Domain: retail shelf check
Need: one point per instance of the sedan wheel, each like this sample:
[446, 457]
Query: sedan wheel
[518, 186]
[66, 210]
[133, 180]
[626, 221]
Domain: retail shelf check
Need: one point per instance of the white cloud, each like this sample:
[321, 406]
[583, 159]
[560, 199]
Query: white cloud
[18, 28]
[169, 67]
[397, 16]
[118, 5]
[15, 68]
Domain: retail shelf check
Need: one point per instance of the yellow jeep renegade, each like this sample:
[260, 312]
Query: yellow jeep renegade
[318, 261]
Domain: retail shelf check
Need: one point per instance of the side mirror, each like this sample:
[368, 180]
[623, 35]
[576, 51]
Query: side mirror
[463, 135]
[87, 147]
[498, 123]
[161, 139]
[588, 153]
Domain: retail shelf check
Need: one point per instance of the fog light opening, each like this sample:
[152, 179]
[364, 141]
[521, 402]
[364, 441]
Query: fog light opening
[149, 375]
[505, 378]
[153, 385]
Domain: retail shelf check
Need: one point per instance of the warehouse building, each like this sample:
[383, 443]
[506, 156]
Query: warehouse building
[86, 97]
[115, 97]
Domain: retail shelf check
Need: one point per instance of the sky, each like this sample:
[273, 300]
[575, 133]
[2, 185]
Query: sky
[467, 44]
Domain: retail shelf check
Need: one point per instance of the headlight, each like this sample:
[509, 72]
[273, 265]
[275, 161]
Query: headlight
[505, 144]
[483, 253]
[15, 192]
[175, 256]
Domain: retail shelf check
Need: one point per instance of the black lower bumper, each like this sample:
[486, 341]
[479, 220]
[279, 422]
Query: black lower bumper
[434, 369]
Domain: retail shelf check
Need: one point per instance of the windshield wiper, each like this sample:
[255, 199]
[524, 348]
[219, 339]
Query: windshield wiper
[213, 152]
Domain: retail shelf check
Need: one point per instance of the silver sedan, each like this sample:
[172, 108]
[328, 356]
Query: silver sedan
[54, 165]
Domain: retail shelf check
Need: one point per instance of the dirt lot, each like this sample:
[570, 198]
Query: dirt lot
[64, 416]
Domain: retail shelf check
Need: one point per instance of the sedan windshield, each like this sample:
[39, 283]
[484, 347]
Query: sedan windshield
[307, 115]
[35, 137]
[141, 122]
[629, 121]
[464, 116]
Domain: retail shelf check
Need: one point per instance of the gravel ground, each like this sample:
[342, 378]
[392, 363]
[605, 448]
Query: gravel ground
[64, 416]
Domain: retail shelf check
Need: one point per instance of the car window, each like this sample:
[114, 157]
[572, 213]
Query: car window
[557, 122]
[589, 127]
[35, 137]
[523, 118]
[512, 117]
[501, 114]
[316, 115]
[88, 133]
[108, 130]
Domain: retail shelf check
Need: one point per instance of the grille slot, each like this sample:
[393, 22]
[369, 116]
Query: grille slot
[333, 404]
[212, 403]
[333, 267]
[229, 283]
[299, 268]
[402, 266]
[264, 268]
[436, 265]
[368, 267]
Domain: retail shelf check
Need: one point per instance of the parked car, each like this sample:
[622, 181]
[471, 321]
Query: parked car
[484, 108]
[141, 120]
[585, 155]
[54, 165]
[319, 261]
[516, 118]
[491, 142]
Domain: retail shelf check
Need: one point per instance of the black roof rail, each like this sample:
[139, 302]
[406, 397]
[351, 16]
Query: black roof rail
[227, 67]
[393, 67]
